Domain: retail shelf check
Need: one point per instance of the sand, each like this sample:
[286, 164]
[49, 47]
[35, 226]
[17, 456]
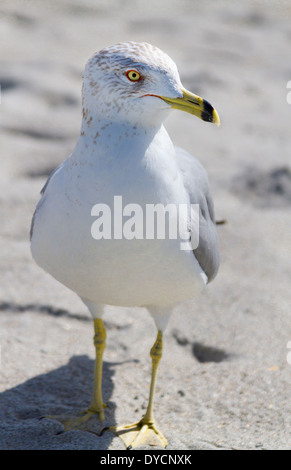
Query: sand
[224, 379]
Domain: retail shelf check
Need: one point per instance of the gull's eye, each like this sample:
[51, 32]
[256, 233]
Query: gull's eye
[133, 75]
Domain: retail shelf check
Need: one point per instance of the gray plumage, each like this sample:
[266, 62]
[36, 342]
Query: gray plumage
[196, 183]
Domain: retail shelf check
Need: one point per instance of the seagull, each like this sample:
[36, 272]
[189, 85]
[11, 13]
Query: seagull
[124, 159]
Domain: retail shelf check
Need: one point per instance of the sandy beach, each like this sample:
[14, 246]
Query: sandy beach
[225, 375]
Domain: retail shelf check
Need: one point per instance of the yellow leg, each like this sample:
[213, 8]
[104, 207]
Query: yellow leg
[97, 406]
[145, 431]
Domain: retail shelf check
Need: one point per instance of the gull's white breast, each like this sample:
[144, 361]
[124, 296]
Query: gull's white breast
[117, 272]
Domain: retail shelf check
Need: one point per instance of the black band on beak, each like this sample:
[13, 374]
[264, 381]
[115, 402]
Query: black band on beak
[207, 113]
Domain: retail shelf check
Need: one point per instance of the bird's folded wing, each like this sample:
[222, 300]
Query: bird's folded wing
[42, 192]
[197, 185]
[49, 178]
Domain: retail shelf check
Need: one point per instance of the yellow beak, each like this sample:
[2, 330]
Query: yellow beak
[193, 104]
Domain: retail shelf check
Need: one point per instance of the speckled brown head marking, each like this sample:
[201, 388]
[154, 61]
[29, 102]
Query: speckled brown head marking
[107, 91]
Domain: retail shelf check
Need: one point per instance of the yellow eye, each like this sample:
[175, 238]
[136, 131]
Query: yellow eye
[133, 75]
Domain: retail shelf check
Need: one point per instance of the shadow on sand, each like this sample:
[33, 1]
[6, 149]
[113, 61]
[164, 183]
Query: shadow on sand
[66, 390]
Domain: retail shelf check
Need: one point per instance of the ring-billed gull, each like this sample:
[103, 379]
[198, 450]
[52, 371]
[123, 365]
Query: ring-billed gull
[124, 150]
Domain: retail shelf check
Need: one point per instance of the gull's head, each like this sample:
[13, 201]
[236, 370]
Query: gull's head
[137, 83]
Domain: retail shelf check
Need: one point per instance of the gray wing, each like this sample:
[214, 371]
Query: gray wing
[42, 194]
[196, 183]
[49, 178]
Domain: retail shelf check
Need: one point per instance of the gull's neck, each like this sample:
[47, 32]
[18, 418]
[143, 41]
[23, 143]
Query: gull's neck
[101, 137]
